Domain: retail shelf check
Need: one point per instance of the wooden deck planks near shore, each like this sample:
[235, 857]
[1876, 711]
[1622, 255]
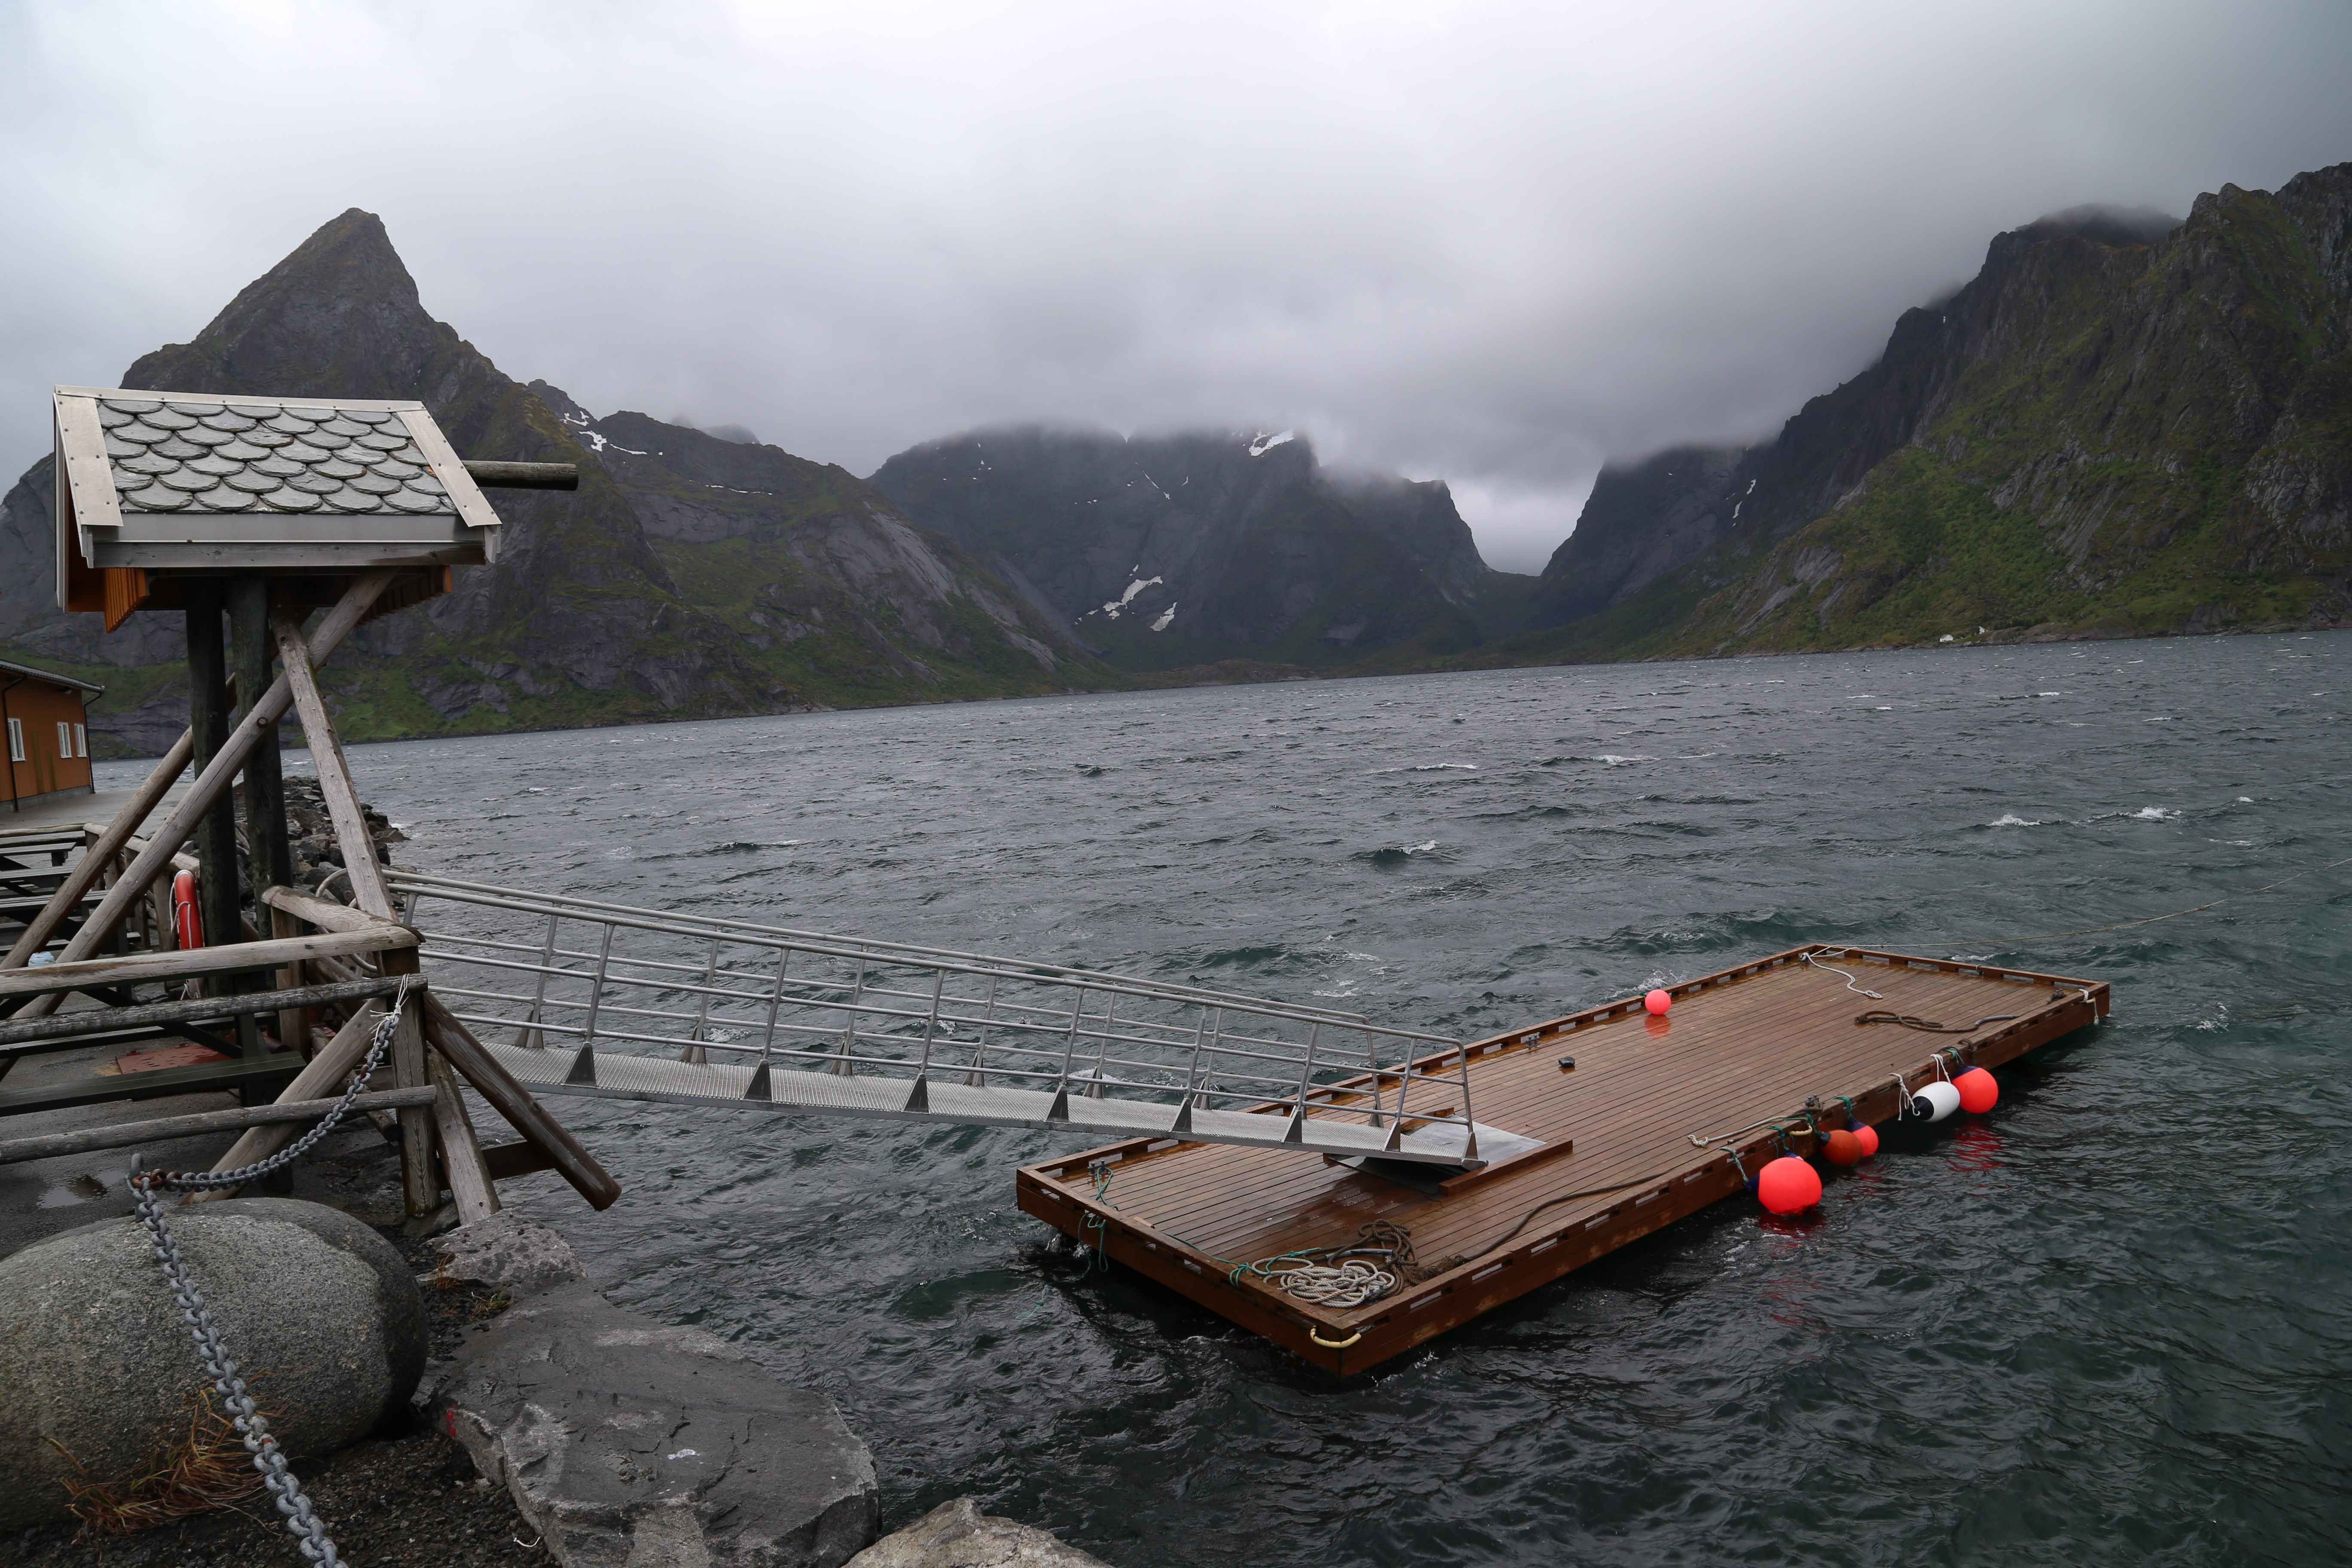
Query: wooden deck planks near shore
[1740, 1047]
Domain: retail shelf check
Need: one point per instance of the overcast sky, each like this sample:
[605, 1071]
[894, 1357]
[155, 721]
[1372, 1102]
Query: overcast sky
[1493, 243]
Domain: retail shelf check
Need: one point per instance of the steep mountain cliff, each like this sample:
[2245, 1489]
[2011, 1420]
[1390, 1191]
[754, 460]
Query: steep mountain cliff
[1166, 551]
[693, 578]
[2121, 425]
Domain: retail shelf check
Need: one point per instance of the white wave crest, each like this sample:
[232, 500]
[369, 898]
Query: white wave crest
[2011, 819]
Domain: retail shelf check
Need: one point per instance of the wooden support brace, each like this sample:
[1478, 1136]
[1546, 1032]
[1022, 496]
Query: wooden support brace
[129, 1134]
[58, 979]
[513, 1101]
[552, 1141]
[16, 1031]
[420, 1184]
[293, 1023]
[211, 785]
[461, 1152]
[342, 797]
[329, 916]
[322, 1077]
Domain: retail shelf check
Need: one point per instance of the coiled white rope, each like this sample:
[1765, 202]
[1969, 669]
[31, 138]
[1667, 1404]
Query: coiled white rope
[1350, 1284]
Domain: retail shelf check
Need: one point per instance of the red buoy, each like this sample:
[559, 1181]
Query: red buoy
[1841, 1148]
[1980, 1090]
[1867, 1136]
[1657, 1002]
[189, 925]
[1788, 1185]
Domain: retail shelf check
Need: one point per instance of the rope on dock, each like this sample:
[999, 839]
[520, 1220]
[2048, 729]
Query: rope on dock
[315, 1543]
[1927, 1026]
[1346, 1275]
[1847, 978]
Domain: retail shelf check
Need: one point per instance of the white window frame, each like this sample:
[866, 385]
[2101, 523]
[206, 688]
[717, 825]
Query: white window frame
[15, 740]
[65, 739]
[81, 739]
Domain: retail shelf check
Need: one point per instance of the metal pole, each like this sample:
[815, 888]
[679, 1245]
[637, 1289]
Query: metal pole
[845, 1067]
[527, 1036]
[978, 1076]
[775, 1000]
[596, 990]
[1306, 1074]
[694, 1053]
[1102, 1051]
[1070, 1041]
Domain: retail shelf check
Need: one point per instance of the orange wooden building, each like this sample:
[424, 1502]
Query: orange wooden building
[47, 732]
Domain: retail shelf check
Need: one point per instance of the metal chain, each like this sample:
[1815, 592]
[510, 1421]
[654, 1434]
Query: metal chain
[315, 1543]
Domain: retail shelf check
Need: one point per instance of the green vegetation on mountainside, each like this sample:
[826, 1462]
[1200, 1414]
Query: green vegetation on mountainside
[2095, 439]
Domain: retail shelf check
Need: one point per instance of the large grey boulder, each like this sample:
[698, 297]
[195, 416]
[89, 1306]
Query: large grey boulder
[958, 1535]
[322, 1314]
[633, 1445]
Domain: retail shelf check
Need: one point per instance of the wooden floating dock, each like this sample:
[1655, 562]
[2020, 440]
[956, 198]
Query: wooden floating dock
[1774, 1041]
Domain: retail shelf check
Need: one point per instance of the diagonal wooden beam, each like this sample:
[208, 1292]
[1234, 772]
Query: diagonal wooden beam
[368, 890]
[212, 784]
[96, 858]
[323, 1077]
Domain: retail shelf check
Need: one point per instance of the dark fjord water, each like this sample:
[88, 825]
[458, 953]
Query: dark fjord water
[2106, 1324]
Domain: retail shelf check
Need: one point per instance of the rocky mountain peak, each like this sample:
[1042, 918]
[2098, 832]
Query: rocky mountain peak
[338, 317]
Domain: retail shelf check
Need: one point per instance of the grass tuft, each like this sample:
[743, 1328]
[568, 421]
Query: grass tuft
[197, 1471]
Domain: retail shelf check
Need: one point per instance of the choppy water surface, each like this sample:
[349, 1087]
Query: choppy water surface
[2106, 1324]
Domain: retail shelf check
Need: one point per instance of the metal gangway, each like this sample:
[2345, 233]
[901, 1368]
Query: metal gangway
[578, 998]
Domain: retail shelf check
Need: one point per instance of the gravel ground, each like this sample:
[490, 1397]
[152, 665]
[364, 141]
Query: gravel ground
[409, 1496]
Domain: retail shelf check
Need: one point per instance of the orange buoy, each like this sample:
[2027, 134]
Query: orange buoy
[1657, 1002]
[187, 925]
[1980, 1090]
[1841, 1148]
[1788, 1185]
[1867, 1136]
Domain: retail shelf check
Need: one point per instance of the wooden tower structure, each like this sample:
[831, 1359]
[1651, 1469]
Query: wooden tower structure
[246, 515]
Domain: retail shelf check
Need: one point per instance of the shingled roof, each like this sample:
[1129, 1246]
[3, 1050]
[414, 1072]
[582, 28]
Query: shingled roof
[171, 456]
[172, 453]
[164, 481]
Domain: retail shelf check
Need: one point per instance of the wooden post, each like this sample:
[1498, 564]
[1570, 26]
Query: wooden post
[265, 783]
[420, 1182]
[470, 1187]
[208, 723]
[293, 1023]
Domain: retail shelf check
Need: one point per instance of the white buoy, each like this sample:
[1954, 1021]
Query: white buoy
[1941, 1100]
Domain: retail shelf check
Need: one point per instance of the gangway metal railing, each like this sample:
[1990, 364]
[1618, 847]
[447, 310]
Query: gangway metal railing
[578, 996]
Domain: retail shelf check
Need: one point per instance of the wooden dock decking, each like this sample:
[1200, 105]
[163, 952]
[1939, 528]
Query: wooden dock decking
[1741, 1048]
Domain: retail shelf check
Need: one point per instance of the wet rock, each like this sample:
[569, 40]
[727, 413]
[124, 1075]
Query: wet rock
[319, 1311]
[958, 1535]
[510, 1251]
[631, 1445]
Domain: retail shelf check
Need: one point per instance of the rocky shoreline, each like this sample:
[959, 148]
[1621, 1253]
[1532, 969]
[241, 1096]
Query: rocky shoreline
[549, 1426]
